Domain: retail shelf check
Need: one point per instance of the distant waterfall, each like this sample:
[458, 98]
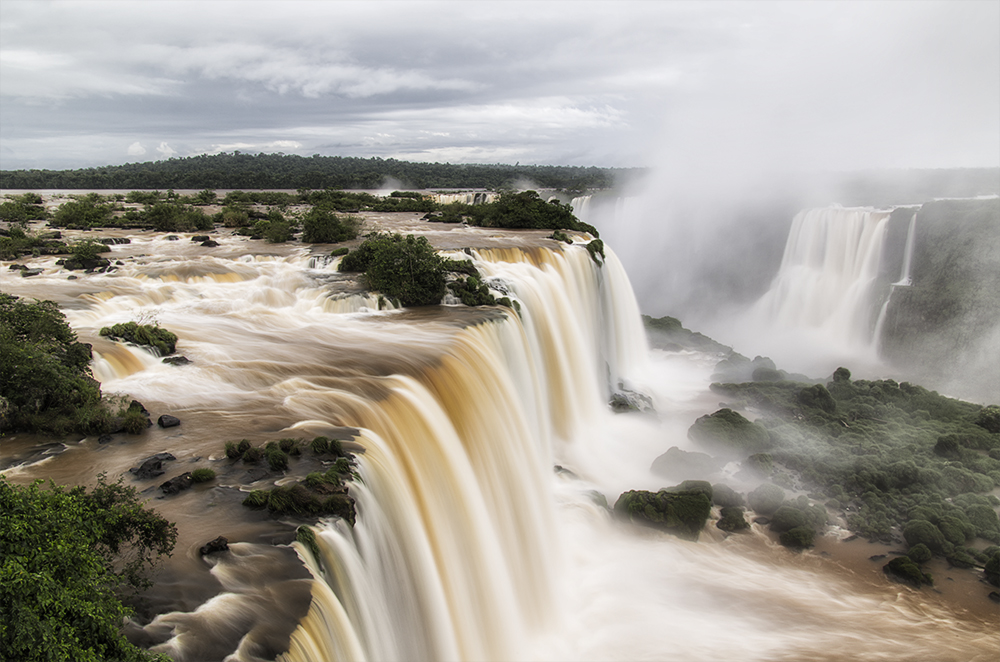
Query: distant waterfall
[453, 552]
[904, 278]
[827, 275]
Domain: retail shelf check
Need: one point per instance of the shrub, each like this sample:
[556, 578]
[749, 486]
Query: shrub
[905, 570]
[920, 553]
[163, 341]
[320, 445]
[321, 226]
[288, 445]
[277, 460]
[730, 428]
[135, 421]
[253, 454]
[732, 519]
[798, 538]
[232, 452]
[988, 418]
[923, 532]
[68, 555]
[45, 382]
[202, 475]
[256, 499]
[407, 269]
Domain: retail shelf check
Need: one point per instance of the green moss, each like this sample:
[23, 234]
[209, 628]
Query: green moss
[253, 454]
[920, 553]
[766, 498]
[202, 475]
[800, 537]
[681, 513]
[918, 532]
[730, 429]
[988, 418]
[277, 460]
[256, 499]
[903, 569]
[732, 519]
[163, 341]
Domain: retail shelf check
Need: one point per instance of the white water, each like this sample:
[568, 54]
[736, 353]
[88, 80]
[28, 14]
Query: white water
[904, 278]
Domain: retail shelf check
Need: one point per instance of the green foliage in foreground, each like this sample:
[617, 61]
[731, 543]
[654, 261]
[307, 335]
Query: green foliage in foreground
[45, 381]
[67, 558]
[897, 456]
[160, 339]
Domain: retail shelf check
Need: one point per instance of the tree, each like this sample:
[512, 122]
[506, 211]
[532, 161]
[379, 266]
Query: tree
[404, 268]
[68, 557]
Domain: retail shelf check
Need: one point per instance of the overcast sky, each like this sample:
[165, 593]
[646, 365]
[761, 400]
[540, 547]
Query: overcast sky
[805, 85]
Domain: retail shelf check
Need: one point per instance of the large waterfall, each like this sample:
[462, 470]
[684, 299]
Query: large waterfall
[488, 452]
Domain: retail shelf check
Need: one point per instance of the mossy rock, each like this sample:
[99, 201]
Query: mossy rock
[766, 498]
[786, 518]
[732, 430]
[800, 537]
[677, 464]
[699, 486]
[920, 553]
[817, 397]
[732, 520]
[918, 532]
[725, 496]
[682, 514]
[903, 569]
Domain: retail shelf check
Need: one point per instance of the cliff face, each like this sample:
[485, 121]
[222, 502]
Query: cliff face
[945, 327]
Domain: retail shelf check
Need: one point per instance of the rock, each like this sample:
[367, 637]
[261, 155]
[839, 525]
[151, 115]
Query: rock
[625, 400]
[90, 264]
[902, 569]
[151, 466]
[200, 237]
[876, 557]
[211, 243]
[112, 241]
[676, 464]
[104, 439]
[172, 237]
[994, 596]
[17, 267]
[725, 496]
[732, 520]
[220, 544]
[177, 360]
[682, 514]
[729, 430]
[27, 273]
[168, 421]
[766, 498]
[177, 484]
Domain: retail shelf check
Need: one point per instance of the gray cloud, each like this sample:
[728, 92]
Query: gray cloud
[712, 85]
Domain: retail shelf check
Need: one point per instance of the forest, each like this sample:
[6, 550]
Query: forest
[286, 171]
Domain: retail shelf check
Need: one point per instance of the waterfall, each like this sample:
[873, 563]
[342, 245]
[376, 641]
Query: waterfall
[825, 283]
[904, 279]
[452, 555]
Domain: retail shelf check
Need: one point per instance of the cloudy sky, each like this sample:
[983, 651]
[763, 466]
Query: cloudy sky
[807, 85]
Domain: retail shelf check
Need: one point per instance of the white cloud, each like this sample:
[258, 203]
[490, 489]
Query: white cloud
[165, 150]
[136, 149]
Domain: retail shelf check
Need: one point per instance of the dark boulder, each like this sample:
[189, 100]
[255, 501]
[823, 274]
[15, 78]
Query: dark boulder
[112, 241]
[151, 467]
[28, 273]
[211, 243]
[682, 514]
[177, 360]
[220, 544]
[200, 237]
[104, 439]
[676, 464]
[85, 264]
[729, 430]
[168, 421]
[725, 496]
[177, 484]
[732, 520]
[903, 569]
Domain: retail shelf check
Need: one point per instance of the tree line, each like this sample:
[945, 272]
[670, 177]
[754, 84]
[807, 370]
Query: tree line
[284, 171]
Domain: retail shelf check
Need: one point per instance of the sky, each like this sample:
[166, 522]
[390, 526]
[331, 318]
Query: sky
[709, 85]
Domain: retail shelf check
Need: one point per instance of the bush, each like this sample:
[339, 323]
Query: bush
[800, 537]
[163, 341]
[277, 459]
[60, 579]
[232, 452]
[253, 454]
[202, 475]
[988, 418]
[321, 226]
[135, 421]
[920, 553]
[730, 428]
[918, 532]
[732, 519]
[407, 269]
[320, 445]
[905, 570]
[256, 499]
[45, 381]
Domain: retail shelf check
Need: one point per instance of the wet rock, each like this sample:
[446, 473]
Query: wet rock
[994, 596]
[168, 421]
[27, 273]
[255, 474]
[112, 241]
[876, 557]
[200, 237]
[682, 514]
[89, 264]
[625, 400]
[177, 484]
[176, 360]
[220, 544]
[152, 466]
[104, 439]
[172, 237]
[211, 243]
[17, 267]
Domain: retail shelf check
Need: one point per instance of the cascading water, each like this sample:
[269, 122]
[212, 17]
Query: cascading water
[904, 278]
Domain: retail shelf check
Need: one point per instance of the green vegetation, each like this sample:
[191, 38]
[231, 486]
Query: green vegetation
[151, 335]
[903, 569]
[321, 226]
[681, 513]
[45, 381]
[728, 430]
[202, 475]
[68, 558]
[18, 242]
[22, 208]
[896, 457]
[280, 171]
[407, 269]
